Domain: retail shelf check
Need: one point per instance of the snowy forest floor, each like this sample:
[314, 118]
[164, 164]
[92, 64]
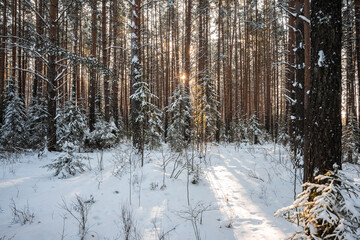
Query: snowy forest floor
[237, 194]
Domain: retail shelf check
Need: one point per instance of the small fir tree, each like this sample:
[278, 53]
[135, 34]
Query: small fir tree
[37, 124]
[350, 141]
[179, 109]
[207, 112]
[14, 134]
[329, 208]
[149, 118]
[104, 136]
[71, 126]
[67, 164]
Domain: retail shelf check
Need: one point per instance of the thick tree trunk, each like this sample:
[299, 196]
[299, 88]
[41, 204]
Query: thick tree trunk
[325, 95]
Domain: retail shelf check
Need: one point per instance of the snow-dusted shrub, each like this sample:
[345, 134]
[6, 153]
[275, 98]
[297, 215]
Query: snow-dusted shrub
[67, 164]
[105, 135]
[350, 141]
[13, 132]
[326, 209]
[37, 124]
[254, 131]
[282, 135]
[22, 216]
[238, 130]
[194, 214]
[129, 229]
[71, 126]
[79, 210]
[248, 131]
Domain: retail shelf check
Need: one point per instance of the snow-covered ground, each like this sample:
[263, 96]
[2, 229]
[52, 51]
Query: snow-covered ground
[238, 192]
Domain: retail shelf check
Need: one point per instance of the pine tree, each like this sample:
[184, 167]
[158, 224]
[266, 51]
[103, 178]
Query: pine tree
[180, 111]
[71, 126]
[326, 209]
[207, 112]
[14, 134]
[37, 124]
[148, 119]
[136, 74]
[105, 135]
[325, 94]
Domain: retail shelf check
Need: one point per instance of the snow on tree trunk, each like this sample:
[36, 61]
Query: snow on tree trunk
[136, 73]
[52, 86]
[325, 94]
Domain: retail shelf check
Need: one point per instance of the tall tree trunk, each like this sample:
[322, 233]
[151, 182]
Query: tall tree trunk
[357, 27]
[75, 97]
[290, 71]
[93, 87]
[13, 33]
[136, 73]
[187, 45]
[307, 89]
[297, 118]
[52, 96]
[3, 62]
[105, 63]
[220, 25]
[187, 54]
[325, 95]
[38, 61]
[115, 83]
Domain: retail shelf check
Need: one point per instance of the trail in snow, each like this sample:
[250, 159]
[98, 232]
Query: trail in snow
[244, 184]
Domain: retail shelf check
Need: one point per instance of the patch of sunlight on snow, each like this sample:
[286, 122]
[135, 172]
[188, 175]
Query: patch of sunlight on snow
[13, 182]
[236, 205]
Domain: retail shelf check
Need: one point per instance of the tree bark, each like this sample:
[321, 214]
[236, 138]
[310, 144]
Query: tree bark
[115, 83]
[325, 95]
[93, 87]
[307, 89]
[105, 63]
[3, 62]
[52, 96]
[136, 73]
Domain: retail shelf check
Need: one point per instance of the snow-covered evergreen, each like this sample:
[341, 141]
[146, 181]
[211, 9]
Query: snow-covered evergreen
[71, 126]
[13, 132]
[37, 124]
[149, 118]
[105, 135]
[207, 113]
[67, 164]
[248, 130]
[327, 209]
[350, 141]
[180, 110]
